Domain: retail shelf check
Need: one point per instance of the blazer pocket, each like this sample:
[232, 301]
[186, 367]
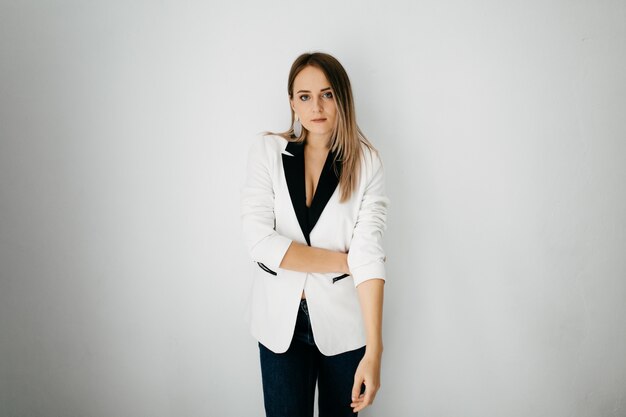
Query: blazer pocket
[340, 277]
[266, 269]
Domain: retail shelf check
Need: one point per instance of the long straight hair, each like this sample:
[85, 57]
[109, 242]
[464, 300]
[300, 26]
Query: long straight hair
[347, 137]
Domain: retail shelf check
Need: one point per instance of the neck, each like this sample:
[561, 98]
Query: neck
[317, 142]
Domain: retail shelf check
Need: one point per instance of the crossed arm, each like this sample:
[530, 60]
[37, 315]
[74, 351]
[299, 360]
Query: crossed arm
[304, 258]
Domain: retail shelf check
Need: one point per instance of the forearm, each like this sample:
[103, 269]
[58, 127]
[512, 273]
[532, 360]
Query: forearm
[305, 258]
[371, 293]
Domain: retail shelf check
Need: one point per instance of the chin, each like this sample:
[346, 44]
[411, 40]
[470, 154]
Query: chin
[319, 131]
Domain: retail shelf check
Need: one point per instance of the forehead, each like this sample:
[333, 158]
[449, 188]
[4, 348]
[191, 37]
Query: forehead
[310, 78]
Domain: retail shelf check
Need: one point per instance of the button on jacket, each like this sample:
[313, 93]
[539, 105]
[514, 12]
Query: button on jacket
[274, 213]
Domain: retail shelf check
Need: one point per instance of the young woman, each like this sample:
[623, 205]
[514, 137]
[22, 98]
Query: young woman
[313, 211]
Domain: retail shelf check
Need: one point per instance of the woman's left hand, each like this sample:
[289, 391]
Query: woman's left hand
[368, 373]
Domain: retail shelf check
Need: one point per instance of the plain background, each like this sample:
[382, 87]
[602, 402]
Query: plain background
[124, 130]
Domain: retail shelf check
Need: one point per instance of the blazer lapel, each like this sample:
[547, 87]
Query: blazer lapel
[294, 175]
[293, 166]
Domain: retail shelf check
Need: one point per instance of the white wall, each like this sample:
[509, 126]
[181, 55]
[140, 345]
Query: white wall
[124, 128]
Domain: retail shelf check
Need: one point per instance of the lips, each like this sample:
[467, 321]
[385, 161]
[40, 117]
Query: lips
[318, 120]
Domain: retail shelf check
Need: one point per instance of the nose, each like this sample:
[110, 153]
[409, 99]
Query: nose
[317, 104]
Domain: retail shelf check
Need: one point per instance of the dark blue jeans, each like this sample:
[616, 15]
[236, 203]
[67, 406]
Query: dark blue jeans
[289, 378]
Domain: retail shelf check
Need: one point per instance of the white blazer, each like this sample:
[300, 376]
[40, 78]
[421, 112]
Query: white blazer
[274, 213]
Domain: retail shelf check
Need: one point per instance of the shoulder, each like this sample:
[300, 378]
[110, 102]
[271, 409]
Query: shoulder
[371, 160]
[266, 149]
[268, 143]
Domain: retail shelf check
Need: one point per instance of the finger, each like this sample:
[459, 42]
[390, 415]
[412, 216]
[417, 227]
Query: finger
[359, 404]
[366, 399]
[356, 402]
[356, 387]
[359, 407]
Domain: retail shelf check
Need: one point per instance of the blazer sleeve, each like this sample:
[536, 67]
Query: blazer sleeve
[264, 244]
[366, 257]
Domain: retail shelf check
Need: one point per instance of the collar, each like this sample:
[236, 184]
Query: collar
[295, 148]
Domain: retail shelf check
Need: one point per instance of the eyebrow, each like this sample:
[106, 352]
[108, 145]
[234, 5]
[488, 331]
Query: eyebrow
[307, 91]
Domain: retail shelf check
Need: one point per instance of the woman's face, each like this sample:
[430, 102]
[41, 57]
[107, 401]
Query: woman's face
[314, 102]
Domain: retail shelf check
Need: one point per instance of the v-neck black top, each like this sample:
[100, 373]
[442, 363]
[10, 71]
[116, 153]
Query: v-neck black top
[294, 175]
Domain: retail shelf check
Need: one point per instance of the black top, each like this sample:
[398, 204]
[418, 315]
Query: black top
[294, 175]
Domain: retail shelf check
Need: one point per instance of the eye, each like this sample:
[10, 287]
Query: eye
[328, 94]
[304, 97]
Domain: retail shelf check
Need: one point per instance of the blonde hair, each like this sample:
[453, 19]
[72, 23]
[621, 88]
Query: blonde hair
[347, 137]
